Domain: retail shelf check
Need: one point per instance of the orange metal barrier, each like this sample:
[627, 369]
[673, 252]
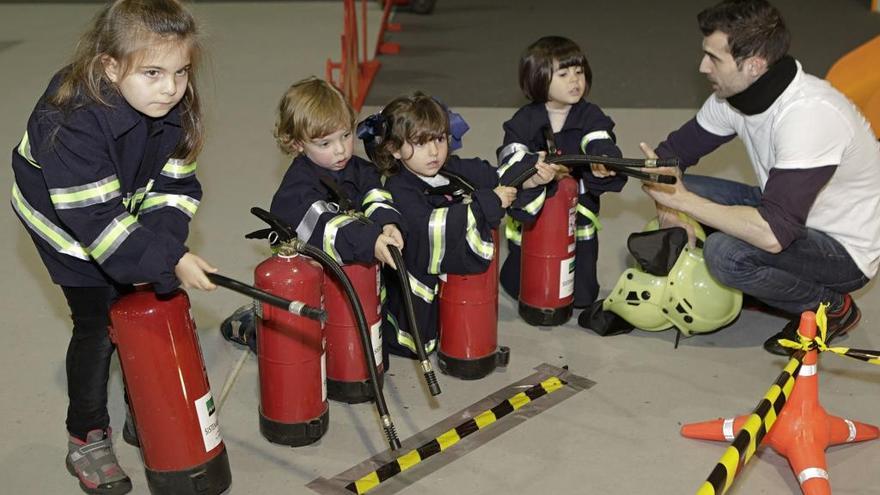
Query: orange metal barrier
[357, 69]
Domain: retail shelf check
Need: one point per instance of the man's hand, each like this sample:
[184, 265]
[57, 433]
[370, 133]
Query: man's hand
[191, 269]
[666, 196]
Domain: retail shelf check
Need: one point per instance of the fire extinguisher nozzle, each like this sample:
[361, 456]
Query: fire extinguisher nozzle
[433, 385]
[306, 311]
[390, 432]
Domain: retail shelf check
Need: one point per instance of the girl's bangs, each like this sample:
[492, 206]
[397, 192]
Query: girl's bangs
[428, 122]
[571, 59]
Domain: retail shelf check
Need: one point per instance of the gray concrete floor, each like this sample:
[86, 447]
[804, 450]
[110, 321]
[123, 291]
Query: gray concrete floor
[619, 437]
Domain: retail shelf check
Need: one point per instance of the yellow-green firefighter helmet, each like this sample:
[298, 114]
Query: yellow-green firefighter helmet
[693, 300]
[636, 298]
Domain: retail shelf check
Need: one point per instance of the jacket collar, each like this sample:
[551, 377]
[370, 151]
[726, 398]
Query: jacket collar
[123, 118]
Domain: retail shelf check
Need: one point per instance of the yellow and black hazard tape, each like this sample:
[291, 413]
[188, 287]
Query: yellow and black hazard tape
[453, 436]
[753, 431]
[818, 342]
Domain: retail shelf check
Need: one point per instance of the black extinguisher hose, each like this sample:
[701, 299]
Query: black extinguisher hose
[366, 342]
[619, 165]
[430, 377]
[295, 307]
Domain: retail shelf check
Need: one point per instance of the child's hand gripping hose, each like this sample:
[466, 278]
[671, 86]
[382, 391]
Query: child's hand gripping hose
[285, 234]
[430, 377]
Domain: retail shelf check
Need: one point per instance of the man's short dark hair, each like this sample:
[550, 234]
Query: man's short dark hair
[753, 27]
[536, 65]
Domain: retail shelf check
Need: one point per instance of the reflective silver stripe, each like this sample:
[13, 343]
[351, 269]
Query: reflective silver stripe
[60, 240]
[727, 429]
[483, 249]
[154, 201]
[585, 232]
[66, 198]
[405, 339]
[310, 220]
[24, 150]
[377, 194]
[512, 230]
[808, 370]
[509, 150]
[852, 430]
[375, 206]
[422, 291]
[514, 159]
[593, 136]
[582, 186]
[330, 230]
[810, 473]
[113, 236]
[178, 169]
[133, 202]
[535, 205]
[437, 239]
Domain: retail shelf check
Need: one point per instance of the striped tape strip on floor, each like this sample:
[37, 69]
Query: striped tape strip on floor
[752, 433]
[455, 437]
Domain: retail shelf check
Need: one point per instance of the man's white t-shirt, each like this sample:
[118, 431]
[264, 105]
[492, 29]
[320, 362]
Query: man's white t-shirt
[811, 125]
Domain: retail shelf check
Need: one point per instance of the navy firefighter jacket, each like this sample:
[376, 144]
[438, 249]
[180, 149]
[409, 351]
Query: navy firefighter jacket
[100, 195]
[311, 207]
[587, 130]
[446, 233]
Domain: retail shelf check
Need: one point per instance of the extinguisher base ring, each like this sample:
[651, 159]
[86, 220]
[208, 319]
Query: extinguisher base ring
[545, 317]
[295, 434]
[352, 392]
[210, 478]
[472, 369]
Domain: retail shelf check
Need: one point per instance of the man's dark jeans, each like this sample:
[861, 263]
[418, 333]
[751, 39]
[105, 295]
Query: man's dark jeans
[810, 271]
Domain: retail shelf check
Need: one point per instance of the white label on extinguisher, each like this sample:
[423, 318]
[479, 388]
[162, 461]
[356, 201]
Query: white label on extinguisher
[566, 277]
[376, 340]
[572, 212]
[208, 421]
[323, 377]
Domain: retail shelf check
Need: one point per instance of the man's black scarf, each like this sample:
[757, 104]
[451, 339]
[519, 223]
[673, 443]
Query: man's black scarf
[758, 97]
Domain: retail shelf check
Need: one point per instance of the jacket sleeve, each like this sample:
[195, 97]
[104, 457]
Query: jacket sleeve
[173, 199]
[86, 194]
[374, 200]
[303, 204]
[453, 239]
[515, 140]
[598, 139]
[690, 143]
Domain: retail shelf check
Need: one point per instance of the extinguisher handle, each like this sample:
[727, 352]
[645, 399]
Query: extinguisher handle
[285, 232]
[295, 307]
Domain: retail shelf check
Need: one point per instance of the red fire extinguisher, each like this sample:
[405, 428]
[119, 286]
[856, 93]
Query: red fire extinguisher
[169, 394]
[291, 353]
[469, 323]
[546, 295]
[347, 376]
[291, 349]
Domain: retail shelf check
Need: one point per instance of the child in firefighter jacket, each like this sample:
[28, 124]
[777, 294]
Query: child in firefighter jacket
[555, 76]
[450, 205]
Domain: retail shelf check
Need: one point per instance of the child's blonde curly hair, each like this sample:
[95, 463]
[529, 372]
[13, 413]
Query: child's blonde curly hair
[309, 109]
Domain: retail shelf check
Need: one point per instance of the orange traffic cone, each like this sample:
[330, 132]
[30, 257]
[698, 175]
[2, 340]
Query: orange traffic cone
[803, 429]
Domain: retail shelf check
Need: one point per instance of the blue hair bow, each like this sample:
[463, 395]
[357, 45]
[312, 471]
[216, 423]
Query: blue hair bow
[374, 129]
[457, 126]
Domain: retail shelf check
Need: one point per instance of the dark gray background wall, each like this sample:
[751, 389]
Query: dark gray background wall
[643, 54]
